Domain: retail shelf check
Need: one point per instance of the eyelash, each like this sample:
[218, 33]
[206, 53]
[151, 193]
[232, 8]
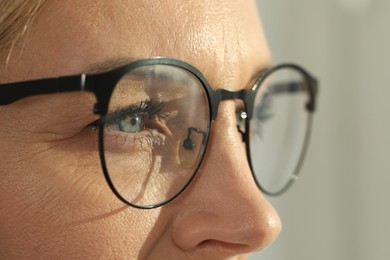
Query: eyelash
[151, 107]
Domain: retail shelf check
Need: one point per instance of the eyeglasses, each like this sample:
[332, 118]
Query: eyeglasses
[155, 120]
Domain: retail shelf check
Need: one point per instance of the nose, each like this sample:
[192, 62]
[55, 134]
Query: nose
[224, 213]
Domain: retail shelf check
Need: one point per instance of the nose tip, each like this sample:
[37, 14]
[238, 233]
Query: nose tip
[239, 231]
[225, 213]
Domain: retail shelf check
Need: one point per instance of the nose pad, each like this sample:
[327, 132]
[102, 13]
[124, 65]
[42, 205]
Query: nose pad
[242, 124]
[190, 147]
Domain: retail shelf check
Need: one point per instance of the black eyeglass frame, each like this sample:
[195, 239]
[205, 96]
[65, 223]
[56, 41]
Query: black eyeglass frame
[103, 85]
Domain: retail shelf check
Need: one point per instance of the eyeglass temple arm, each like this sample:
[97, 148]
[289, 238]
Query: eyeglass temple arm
[11, 92]
[294, 86]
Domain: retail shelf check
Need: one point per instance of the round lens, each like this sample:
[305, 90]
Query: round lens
[278, 129]
[155, 133]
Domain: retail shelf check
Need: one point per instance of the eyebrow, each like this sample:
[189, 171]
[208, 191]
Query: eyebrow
[108, 65]
[113, 63]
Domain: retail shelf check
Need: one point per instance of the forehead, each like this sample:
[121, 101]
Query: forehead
[223, 39]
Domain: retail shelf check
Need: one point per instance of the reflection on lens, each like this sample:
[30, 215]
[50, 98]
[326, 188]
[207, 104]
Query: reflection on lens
[190, 147]
[278, 129]
[150, 113]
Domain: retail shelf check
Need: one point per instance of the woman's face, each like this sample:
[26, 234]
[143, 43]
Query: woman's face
[55, 202]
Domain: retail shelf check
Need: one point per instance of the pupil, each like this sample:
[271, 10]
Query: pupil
[134, 120]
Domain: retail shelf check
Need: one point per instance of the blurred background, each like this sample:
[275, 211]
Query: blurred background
[339, 209]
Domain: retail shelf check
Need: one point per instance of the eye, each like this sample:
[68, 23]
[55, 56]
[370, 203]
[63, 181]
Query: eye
[133, 118]
[141, 127]
[130, 124]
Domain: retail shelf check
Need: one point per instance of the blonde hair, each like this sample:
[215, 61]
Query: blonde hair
[15, 17]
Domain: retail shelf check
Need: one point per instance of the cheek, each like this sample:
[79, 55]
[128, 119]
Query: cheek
[55, 202]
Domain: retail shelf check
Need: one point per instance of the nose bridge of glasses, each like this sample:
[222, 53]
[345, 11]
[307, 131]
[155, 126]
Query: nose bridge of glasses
[223, 94]
[227, 94]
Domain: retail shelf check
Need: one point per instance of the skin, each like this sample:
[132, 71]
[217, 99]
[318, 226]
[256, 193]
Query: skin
[54, 200]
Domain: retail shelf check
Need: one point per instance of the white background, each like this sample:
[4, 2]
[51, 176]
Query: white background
[339, 209]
